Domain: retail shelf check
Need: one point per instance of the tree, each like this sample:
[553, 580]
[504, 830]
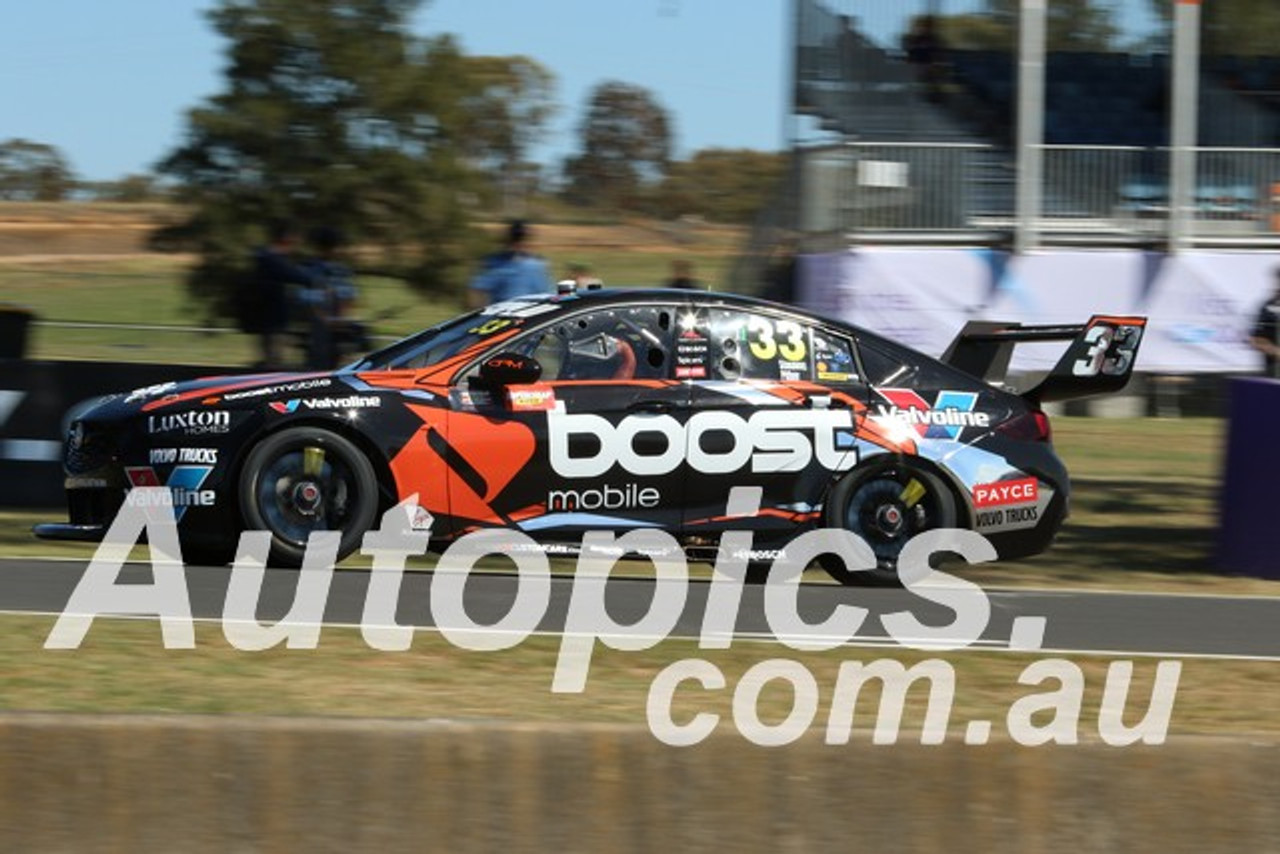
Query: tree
[1240, 28]
[130, 188]
[508, 102]
[332, 114]
[626, 145]
[1071, 25]
[723, 185]
[32, 171]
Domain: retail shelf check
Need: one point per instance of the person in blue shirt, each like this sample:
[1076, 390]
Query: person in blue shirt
[510, 273]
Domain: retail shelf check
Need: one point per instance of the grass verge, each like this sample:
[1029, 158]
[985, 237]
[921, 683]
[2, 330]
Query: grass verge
[123, 667]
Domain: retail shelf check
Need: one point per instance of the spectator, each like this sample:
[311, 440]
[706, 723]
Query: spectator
[682, 276]
[264, 308]
[1265, 336]
[512, 272]
[329, 302]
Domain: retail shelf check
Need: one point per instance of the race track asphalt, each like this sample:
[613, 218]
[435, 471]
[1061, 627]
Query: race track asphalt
[1066, 621]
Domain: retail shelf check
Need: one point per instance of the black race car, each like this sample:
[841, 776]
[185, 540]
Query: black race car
[610, 410]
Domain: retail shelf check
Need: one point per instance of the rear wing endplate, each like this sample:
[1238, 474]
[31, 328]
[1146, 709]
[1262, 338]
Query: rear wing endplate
[1098, 360]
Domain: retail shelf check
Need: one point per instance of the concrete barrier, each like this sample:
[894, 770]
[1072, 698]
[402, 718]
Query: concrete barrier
[240, 784]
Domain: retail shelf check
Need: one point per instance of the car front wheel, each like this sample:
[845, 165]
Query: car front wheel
[307, 479]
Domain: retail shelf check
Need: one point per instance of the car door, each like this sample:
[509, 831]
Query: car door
[774, 405]
[596, 443]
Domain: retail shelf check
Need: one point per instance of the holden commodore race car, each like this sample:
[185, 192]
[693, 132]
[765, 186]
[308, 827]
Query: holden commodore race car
[610, 410]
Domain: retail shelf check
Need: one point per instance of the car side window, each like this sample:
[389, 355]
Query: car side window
[884, 367]
[832, 358]
[752, 345]
[626, 342]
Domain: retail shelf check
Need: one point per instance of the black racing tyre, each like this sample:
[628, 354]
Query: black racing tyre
[886, 504]
[306, 479]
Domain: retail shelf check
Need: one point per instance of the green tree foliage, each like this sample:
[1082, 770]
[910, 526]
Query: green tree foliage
[332, 114]
[1240, 28]
[625, 147]
[1072, 25]
[508, 101]
[32, 171]
[130, 188]
[723, 185]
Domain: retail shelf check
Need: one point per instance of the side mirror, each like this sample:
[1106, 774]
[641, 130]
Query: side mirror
[505, 369]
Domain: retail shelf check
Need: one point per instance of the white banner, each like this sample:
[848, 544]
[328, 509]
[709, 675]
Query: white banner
[1202, 308]
[1200, 305]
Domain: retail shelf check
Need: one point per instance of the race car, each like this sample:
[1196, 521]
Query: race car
[611, 410]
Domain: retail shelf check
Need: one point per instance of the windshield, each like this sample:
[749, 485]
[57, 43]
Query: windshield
[454, 336]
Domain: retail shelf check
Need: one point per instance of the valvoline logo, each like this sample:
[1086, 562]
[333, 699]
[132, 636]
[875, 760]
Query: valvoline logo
[950, 413]
[184, 486]
[285, 407]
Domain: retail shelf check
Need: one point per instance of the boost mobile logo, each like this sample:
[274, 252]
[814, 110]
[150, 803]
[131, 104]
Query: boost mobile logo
[768, 441]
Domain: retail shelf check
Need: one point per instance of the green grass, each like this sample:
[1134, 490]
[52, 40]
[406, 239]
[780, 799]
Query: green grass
[122, 667]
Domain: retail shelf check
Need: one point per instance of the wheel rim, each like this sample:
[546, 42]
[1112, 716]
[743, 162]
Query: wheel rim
[305, 489]
[888, 510]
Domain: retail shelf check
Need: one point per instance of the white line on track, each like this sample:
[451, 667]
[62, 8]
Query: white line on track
[860, 642]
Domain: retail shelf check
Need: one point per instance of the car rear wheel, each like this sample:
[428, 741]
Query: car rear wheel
[307, 479]
[886, 505]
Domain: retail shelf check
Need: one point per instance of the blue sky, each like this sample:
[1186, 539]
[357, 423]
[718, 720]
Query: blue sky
[108, 83]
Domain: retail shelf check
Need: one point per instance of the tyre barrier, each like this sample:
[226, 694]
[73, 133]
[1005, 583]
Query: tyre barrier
[85, 783]
[36, 398]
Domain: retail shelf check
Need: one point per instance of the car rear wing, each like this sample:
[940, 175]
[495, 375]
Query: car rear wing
[1098, 359]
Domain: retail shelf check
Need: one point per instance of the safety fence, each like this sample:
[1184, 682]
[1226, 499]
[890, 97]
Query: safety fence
[938, 192]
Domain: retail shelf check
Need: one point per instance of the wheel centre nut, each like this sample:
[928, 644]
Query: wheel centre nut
[306, 496]
[890, 518]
